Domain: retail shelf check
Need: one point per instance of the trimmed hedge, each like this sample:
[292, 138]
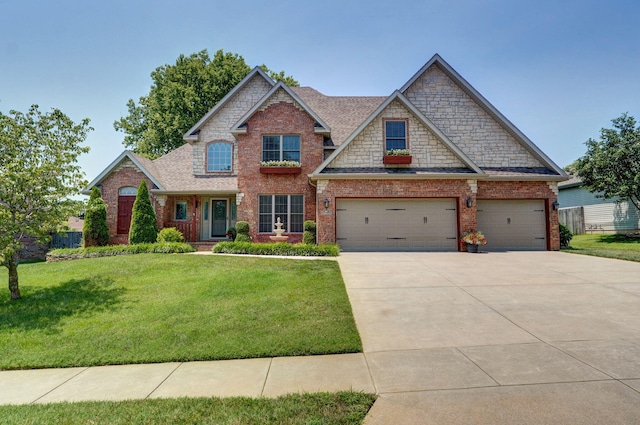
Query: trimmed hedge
[281, 248]
[309, 235]
[112, 250]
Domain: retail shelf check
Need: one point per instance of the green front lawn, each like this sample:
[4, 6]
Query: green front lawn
[324, 408]
[610, 246]
[173, 307]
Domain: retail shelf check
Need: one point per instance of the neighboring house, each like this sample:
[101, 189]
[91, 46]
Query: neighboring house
[469, 168]
[583, 212]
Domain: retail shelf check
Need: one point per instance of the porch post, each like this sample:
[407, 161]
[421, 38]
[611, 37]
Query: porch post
[193, 221]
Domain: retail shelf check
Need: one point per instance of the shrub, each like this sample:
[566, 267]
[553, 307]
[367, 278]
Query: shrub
[232, 233]
[281, 248]
[565, 236]
[309, 235]
[112, 250]
[242, 227]
[242, 237]
[144, 228]
[170, 234]
[95, 231]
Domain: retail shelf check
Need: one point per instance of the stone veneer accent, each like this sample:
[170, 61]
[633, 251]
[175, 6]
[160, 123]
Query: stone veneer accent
[367, 149]
[469, 126]
[278, 118]
[217, 127]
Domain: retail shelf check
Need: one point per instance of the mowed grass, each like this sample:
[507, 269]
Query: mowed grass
[323, 408]
[610, 246]
[151, 308]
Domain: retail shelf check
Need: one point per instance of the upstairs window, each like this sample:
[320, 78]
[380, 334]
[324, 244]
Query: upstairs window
[281, 148]
[395, 133]
[219, 157]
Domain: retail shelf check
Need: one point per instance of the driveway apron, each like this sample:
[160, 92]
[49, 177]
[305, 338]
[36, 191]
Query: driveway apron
[514, 337]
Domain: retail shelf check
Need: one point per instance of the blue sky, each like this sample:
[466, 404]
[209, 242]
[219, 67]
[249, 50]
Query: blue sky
[559, 70]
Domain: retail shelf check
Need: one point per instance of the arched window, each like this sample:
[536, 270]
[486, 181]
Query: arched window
[219, 156]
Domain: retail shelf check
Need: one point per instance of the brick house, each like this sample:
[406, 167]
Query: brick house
[468, 168]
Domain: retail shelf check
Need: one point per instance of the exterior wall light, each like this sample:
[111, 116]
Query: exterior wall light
[326, 203]
[469, 202]
[555, 205]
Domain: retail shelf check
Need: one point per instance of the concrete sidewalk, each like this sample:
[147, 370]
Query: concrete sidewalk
[269, 377]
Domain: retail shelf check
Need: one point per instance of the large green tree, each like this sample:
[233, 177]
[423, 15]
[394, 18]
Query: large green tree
[38, 175]
[180, 95]
[611, 166]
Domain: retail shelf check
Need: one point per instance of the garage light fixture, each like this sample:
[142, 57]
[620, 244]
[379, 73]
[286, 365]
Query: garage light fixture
[555, 205]
[469, 202]
[326, 203]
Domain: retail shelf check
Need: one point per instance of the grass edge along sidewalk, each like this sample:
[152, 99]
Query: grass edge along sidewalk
[616, 246]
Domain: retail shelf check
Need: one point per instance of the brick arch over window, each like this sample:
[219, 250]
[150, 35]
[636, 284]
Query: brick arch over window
[219, 156]
[126, 198]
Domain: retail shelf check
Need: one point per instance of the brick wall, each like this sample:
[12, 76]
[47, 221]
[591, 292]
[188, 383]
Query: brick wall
[458, 189]
[126, 174]
[282, 117]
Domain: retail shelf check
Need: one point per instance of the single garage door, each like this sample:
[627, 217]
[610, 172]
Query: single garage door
[396, 224]
[513, 225]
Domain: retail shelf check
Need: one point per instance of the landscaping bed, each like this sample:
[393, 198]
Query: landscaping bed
[281, 248]
[112, 250]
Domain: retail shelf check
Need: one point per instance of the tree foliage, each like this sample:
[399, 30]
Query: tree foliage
[144, 228]
[611, 166]
[180, 95]
[95, 231]
[38, 175]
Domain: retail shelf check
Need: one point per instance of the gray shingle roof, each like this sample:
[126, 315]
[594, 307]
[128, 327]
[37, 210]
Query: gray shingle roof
[342, 113]
[175, 172]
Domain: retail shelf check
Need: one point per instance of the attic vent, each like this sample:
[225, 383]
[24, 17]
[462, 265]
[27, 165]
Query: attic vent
[317, 125]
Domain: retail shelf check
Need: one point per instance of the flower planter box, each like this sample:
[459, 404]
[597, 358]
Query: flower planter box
[397, 159]
[280, 170]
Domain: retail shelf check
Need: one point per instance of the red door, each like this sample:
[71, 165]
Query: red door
[125, 206]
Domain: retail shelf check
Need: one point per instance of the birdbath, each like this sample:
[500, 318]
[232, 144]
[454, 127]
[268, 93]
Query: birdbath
[278, 231]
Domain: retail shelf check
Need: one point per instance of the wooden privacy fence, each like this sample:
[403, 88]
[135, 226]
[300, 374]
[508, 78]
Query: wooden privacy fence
[573, 218]
[66, 240]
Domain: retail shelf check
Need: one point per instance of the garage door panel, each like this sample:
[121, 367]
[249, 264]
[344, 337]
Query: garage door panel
[513, 224]
[397, 224]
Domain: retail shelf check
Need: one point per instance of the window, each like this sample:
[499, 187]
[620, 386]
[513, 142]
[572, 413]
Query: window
[181, 210]
[290, 209]
[395, 135]
[219, 156]
[281, 148]
[126, 198]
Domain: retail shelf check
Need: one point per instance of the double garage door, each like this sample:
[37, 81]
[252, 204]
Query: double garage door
[432, 224]
[396, 224]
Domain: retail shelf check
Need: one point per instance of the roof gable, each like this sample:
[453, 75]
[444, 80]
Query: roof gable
[484, 104]
[322, 126]
[439, 135]
[192, 133]
[146, 166]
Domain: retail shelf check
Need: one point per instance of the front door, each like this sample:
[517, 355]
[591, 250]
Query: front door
[218, 218]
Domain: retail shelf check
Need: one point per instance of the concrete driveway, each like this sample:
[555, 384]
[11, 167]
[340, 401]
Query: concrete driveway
[499, 338]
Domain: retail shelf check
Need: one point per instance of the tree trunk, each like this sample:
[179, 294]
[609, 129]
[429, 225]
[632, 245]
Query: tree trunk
[12, 265]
